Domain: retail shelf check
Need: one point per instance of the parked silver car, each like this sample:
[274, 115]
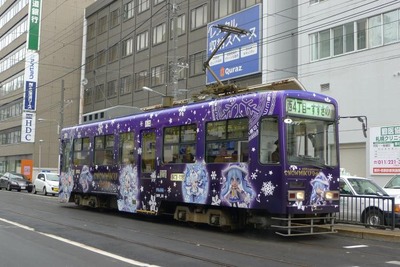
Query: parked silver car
[47, 183]
[364, 201]
[393, 186]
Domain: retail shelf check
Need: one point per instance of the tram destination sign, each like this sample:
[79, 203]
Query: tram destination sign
[310, 108]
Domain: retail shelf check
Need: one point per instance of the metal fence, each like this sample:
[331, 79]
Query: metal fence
[374, 211]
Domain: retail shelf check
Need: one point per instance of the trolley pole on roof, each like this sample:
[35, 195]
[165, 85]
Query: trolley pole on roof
[229, 30]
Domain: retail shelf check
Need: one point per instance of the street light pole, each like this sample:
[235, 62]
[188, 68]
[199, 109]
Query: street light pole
[40, 153]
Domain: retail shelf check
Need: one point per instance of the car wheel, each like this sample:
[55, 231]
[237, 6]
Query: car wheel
[8, 187]
[374, 218]
[44, 191]
[34, 190]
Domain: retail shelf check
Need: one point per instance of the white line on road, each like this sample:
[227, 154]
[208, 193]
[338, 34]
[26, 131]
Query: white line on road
[356, 246]
[393, 262]
[80, 245]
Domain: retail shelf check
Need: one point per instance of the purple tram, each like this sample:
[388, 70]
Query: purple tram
[265, 158]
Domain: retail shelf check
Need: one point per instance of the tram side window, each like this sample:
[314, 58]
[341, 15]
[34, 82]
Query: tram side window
[66, 155]
[180, 144]
[227, 141]
[104, 150]
[269, 141]
[82, 151]
[126, 148]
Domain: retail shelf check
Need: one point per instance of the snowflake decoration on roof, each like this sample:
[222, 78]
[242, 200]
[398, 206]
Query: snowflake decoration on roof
[100, 128]
[268, 188]
[182, 111]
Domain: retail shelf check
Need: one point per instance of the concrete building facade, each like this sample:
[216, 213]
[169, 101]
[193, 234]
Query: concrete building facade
[60, 49]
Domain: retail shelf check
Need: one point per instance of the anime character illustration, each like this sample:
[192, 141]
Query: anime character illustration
[195, 185]
[236, 190]
[319, 184]
[66, 185]
[85, 179]
[128, 189]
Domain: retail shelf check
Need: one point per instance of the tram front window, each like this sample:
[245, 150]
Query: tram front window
[311, 142]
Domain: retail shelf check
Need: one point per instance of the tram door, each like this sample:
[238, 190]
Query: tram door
[147, 160]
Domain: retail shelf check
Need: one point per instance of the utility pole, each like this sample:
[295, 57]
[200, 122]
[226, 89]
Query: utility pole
[175, 48]
[61, 106]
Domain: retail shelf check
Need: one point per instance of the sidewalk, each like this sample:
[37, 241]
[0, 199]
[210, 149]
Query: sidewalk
[362, 232]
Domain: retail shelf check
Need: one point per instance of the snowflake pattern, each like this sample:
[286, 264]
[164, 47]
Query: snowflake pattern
[268, 188]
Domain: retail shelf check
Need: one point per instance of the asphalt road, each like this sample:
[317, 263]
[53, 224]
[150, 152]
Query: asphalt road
[39, 231]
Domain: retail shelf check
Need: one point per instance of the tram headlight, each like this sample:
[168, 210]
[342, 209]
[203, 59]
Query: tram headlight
[296, 195]
[332, 195]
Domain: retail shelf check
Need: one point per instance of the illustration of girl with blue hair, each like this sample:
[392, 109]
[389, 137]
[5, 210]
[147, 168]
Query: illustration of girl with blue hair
[319, 184]
[128, 189]
[236, 189]
[85, 178]
[195, 184]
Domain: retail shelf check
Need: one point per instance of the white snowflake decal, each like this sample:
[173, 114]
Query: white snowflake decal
[216, 201]
[213, 175]
[253, 176]
[100, 128]
[139, 151]
[182, 111]
[330, 177]
[268, 188]
[152, 203]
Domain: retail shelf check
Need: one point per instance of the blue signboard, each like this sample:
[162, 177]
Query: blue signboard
[240, 54]
[30, 96]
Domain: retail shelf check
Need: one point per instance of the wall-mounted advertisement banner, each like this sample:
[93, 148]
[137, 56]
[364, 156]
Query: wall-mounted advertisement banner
[31, 79]
[28, 127]
[240, 54]
[35, 10]
[385, 150]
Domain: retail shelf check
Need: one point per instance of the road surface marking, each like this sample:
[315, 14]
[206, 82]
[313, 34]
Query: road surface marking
[356, 246]
[80, 245]
[393, 262]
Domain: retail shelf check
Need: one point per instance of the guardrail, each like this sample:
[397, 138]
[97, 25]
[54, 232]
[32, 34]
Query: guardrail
[373, 211]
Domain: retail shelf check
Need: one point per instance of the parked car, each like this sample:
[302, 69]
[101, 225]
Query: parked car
[15, 181]
[393, 186]
[364, 201]
[47, 183]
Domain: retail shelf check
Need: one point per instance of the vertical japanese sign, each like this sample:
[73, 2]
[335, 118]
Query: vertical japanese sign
[35, 8]
[30, 96]
[240, 54]
[385, 150]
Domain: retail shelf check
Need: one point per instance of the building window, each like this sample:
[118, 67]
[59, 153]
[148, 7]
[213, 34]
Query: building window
[391, 27]
[159, 34]
[361, 34]
[114, 18]
[125, 85]
[316, 1]
[198, 17]
[222, 8]
[157, 75]
[181, 25]
[99, 94]
[127, 47]
[128, 10]
[113, 53]
[102, 27]
[142, 41]
[156, 2]
[348, 37]
[143, 5]
[88, 96]
[89, 63]
[101, 58]
[196, 63]
[91, 31]
[112, 88]
[247, 3]
[375, 31]
[141, 79]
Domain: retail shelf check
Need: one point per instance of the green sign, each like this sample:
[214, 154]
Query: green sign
[34, 24]
[310, 108]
